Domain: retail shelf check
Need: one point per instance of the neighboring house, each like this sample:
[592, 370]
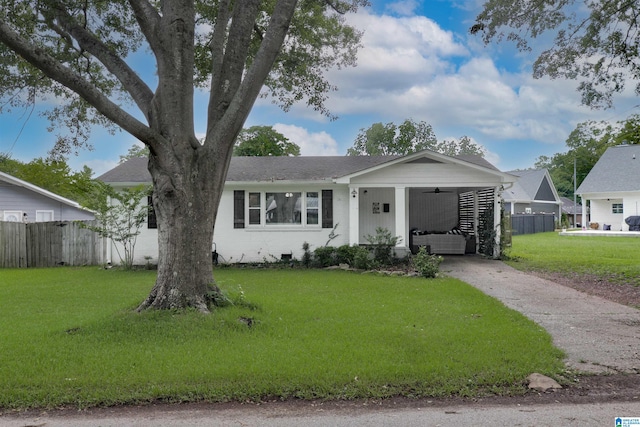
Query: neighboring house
[572, 210]
[272, 205]
[22, 201]
[612, 188]
[534, 193]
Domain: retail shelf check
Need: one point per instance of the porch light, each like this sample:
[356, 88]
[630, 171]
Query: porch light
[354, 193]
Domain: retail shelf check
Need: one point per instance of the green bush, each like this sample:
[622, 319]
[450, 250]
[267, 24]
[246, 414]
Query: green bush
[345, 254]
[426, 264]
[325, 256]
[383, 243]
[306, 256]
[362, 258]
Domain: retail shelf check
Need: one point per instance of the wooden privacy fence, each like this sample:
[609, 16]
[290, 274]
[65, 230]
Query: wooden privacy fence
[49, 244]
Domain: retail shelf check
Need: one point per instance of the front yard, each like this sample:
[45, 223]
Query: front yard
[69, 337]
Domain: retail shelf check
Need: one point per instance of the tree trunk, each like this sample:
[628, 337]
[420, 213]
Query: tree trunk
[185, 200]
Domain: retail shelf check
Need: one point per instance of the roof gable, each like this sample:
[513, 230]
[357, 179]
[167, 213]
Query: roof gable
[39, 190]
[533, 184]
[618, 169]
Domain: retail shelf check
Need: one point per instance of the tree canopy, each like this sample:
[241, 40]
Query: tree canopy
[53, 175]
[596, 42]
[408, 137]
[264, 141]
[95, 61]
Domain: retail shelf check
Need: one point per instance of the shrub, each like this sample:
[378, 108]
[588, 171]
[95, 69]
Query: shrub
[426, 264]
[345, 254]
[325, 256]
[306, 256]
[362, 258]
[383, 243]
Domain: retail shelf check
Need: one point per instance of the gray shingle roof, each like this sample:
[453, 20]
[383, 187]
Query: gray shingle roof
[568, 206]
[617, 170]
[527, 186]
[262, 169]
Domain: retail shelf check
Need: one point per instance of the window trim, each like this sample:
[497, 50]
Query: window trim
[303, 224]
[617, 208]
[50, 211]
[18, 214]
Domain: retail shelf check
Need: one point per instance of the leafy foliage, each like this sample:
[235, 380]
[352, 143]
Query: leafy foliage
[406, 138]
[135, 151]
[391, 139]
[120, 215]
[596, 42]
[383, 243]
[427, 265]
[264, 141]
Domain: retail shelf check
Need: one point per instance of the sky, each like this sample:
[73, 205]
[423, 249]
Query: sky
[419, 62]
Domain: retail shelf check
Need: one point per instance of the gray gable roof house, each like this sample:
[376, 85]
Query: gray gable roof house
[612, 189]
[533, 193]
[23, 201]
[272, 205]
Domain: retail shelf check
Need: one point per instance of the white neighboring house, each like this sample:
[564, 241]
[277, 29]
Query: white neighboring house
[272, 205]
[22, 201]
[612, 188]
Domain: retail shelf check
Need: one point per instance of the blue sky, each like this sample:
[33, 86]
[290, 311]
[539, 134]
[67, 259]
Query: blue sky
[418, 62]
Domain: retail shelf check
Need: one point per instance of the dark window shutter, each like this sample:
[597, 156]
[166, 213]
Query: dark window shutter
[151, 214]
[238, 209]
[327, 208]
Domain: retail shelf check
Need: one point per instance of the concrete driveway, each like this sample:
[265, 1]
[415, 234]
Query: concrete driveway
[597, 335]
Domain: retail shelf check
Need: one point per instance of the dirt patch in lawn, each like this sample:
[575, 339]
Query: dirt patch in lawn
[622, 293]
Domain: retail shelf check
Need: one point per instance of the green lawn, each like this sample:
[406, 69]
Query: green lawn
[69, 336]
[612, 258]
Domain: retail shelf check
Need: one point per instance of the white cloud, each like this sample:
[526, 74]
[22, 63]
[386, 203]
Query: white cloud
[403, 7]
[311, 144]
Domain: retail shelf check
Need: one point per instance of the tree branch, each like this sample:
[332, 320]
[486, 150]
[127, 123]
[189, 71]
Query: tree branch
[131, 82]
[148, 19]
[261, 66]
[56, 71]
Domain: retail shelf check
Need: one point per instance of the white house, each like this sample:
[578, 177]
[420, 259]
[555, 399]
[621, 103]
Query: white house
[272, 205]
[23, 201]
[612, 188]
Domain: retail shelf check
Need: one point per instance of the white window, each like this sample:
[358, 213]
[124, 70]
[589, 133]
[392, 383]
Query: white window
[254, 208]
[44, 216]
[13, 216]
[287, 208]
[283, 208]
[616, 208]
[312, 207]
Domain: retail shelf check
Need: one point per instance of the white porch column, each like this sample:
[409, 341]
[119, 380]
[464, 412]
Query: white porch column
[496, 221]
[584, 221]
[401, 217]
[354, 215]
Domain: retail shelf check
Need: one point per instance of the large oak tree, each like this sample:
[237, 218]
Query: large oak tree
[90, 55]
